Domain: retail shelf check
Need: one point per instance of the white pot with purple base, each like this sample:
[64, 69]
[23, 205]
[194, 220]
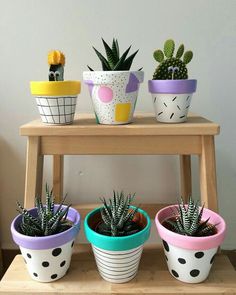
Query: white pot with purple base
[47, 258]
[189, 259]
[171, 99]
[114, 94]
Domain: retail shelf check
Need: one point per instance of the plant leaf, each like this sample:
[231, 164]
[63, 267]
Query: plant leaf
[121, 60]
[111, 58]
[187, 57]
[105, 64]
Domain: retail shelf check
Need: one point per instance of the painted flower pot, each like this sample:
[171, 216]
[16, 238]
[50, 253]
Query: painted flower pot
[171, 99]
[114, 94]
[189, 259]
[47, 258]
[56, 100]
[117, 258]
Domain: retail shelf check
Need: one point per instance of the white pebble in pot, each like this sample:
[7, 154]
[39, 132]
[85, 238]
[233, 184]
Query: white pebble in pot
[48, 264]
[190, 266]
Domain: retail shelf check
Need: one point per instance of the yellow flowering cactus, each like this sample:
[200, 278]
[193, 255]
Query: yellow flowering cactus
[56, 61]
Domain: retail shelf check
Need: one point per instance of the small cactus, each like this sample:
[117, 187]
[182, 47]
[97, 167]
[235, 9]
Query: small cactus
[171, 68]
[56, 61]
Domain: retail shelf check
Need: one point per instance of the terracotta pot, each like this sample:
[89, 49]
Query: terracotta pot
[117, 258]
[114, 94]
[171, 99]
[189, 259]
[56, 100]
[47, 258]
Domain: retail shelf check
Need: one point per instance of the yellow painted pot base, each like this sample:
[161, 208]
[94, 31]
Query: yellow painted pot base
[55, 88]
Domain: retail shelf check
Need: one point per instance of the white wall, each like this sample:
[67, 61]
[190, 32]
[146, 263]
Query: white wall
[29, 29]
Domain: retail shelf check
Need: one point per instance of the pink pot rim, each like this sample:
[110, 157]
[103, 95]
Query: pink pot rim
[191, 243]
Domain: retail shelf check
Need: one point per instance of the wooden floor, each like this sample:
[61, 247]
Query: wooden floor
[153, 278]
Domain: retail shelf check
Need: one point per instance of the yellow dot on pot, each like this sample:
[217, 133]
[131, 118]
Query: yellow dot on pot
[122, 112]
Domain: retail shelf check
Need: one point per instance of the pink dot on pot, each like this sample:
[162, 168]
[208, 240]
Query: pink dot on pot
[105, 94]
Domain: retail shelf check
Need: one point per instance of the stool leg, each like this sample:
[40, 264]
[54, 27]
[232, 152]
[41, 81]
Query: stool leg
[34, 171]
[185, 177]
[58, 173]
[1, 263]
[208, 173]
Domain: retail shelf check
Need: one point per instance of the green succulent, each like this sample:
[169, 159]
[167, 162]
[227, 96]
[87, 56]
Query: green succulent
[114, 61]
[117, 216]
[48, 221]
[188, 221]
[171, 68]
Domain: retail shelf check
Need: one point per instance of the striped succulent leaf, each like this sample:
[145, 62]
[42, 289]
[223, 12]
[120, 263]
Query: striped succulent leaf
[113, 61]
[48, 221]
[187, 220]
[117, 217]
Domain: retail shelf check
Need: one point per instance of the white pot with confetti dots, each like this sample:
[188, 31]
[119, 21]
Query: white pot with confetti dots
[47, 258]
[171, 99]
[114, 94]
[189, 258]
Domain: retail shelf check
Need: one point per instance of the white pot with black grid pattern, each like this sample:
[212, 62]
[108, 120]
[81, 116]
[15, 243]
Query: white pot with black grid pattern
[56, 100]
[171, 99]
[117, 258]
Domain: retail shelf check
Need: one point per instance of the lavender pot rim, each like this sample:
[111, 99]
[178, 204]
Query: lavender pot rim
[172, 86]
[46, 242]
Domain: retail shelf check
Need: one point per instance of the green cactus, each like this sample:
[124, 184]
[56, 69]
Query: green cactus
[117, 216]
[48, 221]
[188, 220]
[171, 68]
[113, 61]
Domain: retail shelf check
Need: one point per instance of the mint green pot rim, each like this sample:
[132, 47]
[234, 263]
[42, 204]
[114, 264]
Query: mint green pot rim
[117, 243]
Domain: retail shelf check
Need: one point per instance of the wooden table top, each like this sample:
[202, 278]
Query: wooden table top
[153, 278]
[143, 124]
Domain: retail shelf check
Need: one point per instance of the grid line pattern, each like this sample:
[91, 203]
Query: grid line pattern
[56, 110]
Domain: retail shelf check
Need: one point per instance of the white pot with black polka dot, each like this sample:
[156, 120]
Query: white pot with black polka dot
[56, 100]
[172, 99]
[189, 259]
[47, 258]
[114, 94]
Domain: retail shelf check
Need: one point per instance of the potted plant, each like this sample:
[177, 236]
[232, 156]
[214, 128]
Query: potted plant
[45, 235]
[117, 232]
[56, 99]
[170, 88]
[114, 90]
[191, 236]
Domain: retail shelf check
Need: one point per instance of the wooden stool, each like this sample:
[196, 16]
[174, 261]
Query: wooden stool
[143, 137]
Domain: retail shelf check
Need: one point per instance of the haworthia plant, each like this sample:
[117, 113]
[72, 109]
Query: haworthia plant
[114, 61]
[172, 67]
[117, 216]
[188, 220]
[48, 220]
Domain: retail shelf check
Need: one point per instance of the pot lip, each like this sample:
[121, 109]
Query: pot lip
[46, 242]
[118, 243]
[189, 242]
[172, 86]
[112, 72]
[89, 76]
[55, 88]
